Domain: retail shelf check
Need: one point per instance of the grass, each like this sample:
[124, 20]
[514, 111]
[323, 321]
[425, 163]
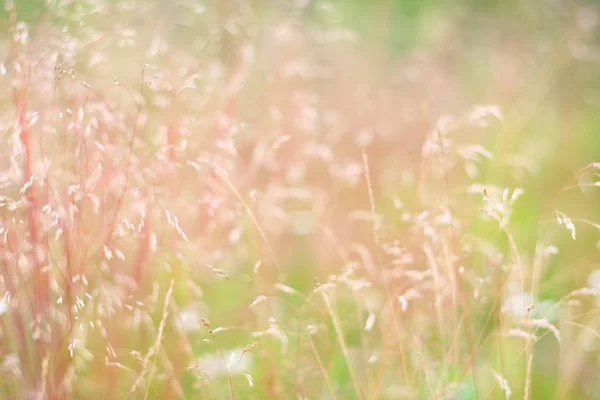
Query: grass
[249, 200]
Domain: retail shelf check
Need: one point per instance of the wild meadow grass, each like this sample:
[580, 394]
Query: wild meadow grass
[299, 200]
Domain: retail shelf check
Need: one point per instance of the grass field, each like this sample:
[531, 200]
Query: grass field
[309, 199]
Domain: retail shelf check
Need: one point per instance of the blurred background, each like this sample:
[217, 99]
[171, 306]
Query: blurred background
[300, 199]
